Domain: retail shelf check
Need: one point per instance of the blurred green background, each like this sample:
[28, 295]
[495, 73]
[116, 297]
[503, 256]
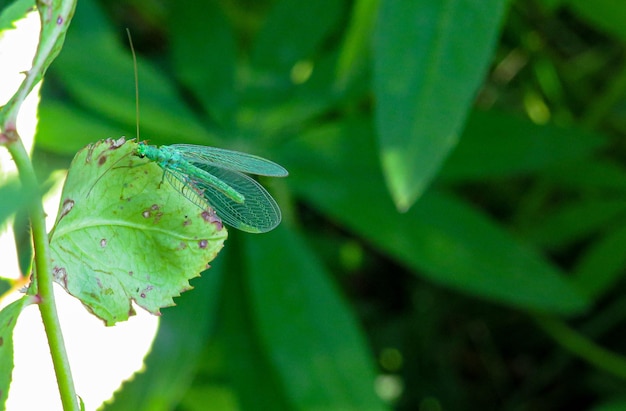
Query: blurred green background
[496, 128]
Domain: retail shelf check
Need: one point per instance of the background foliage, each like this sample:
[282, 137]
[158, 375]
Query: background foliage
[498, 126]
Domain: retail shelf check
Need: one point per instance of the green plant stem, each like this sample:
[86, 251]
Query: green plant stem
[582, 346]
[55, 17]
[43, 281]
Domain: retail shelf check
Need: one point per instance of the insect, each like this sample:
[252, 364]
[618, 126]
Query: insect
[214, 177]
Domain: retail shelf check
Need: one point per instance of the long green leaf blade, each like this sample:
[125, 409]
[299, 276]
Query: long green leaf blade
[430, 58]
[441, 238]
[8, 319]
[299, 313]
[249, 368]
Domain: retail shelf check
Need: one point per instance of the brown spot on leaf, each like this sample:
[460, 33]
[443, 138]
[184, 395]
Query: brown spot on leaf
[114, 144]
[60, 275]
[103, 242]
[145, 290]
[95, 296]
[210, 217]
[102, 159]
[91, 147]
[203, 244]
[153, 210]
[68, 204]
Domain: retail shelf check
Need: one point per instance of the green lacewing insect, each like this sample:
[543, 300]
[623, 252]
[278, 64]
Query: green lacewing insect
[214, 178]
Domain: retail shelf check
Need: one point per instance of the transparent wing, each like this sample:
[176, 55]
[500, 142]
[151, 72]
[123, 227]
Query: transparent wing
[184, 186]
[234, 160]
[258, 213]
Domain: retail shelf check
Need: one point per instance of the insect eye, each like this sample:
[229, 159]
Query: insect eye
[139, 152]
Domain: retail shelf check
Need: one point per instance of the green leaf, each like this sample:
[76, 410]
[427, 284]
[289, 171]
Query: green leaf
[252, 376]
[122, 235]
[590, 175]
[14, 197]
[290, 34]
[8, 319]
[23, 241]
[220, 397]
[58, 120]
[430, 59]
[105, 82]
[15, 202]
[607, 15]
[357, 39]
[498, 145]
[617, 403]
[298, 312]
[441, 238]
[602, 265]
[204, 54]
[573, 223]
[176, 351]
[13, 10]
[270, 115]
[6, 284]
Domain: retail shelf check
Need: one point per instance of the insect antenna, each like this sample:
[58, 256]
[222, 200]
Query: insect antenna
[132, 49]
